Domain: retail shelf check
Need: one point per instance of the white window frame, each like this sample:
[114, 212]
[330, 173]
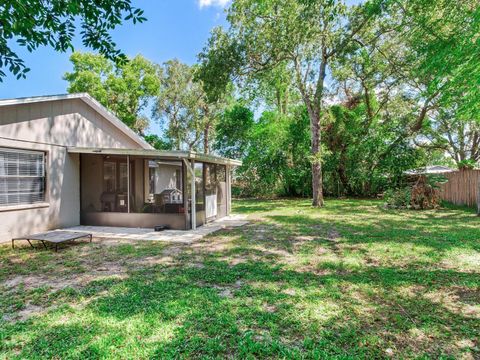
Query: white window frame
[42, 195]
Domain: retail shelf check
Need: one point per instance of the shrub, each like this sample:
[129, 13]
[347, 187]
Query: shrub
[398, 198]
[422, 193]
[425, 194]
[466, 165]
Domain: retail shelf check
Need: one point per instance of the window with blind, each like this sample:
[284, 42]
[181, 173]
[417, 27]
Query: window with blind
[22, 177]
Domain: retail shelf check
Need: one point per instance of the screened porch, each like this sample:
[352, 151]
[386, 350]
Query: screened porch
[151, 188]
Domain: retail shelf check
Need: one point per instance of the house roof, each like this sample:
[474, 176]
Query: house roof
[169, 191]
[89, 100]
[435, 169]
[169, 155]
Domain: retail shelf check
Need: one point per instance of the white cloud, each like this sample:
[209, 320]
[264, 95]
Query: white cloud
[207, 3]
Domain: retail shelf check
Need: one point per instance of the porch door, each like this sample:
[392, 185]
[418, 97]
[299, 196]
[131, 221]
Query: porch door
[211, 204]
[210, 192]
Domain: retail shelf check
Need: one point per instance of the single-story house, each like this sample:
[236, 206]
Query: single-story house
[429, 170]
[65, 160]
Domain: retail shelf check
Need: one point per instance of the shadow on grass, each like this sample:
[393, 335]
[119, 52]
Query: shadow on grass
[438, 233]
[264, 307]
[264, 314]
[247, 206]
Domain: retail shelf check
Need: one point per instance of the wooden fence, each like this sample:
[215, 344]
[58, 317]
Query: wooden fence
[461, 188]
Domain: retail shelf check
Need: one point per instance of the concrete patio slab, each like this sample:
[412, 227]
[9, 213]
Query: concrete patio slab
[175, 236]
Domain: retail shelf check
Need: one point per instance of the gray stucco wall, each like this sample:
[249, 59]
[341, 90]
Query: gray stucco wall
[51, 127]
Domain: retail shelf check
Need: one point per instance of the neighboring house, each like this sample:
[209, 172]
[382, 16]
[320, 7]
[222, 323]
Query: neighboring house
[65, 160]
[435, 169]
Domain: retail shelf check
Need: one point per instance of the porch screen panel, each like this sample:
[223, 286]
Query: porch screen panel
[22, 177]
[210, 191]
[221, 179]
[199, 187]
[165, 187]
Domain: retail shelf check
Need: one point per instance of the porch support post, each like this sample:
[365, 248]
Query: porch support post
[229, 189]
[193, 216]
[128, 183]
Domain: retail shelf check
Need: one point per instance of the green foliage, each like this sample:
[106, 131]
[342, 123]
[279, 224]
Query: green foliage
[54, 23]
[360, 159]
[421, 193]
[397, 67]
[398, 198]
[261, 173]
[274, 150]
[467, 164]
[436, 180]
[126, 88]
[157, 142]
[233, 130]
[178, 104]
[276, 153]
[284, 47]
[221, 57]
[350, 95]
[183, 108]
[443, 36]
[459, 137]
[297, 174]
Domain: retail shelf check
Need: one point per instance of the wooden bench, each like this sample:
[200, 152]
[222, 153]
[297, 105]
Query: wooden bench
[53, 237]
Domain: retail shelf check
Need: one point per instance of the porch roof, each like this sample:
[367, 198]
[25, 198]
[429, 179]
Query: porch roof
[170, 154]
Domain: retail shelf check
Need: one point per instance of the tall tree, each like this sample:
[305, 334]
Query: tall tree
[126, 88]
[303, 35]
[178, 105]
[183, 108]
[444, 38]
[233, 131]
[35, 23]
[459, 138]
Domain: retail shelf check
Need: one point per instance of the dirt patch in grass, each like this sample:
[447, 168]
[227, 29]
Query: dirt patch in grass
[27, 312]
[37, 281]
[61, 281]
[468, 296]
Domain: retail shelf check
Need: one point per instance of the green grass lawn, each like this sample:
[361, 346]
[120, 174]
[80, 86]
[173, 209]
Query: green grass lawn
[348, 281]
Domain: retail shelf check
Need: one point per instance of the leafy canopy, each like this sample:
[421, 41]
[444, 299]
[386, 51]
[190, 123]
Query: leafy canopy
[35, 23]
[126, 88]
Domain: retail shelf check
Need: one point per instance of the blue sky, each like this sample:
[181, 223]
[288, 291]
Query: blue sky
[175, 28]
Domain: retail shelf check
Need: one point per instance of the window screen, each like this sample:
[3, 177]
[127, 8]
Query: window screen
[109, 176]
[22, 177]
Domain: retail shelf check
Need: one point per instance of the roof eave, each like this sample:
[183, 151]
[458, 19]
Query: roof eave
[168, 154]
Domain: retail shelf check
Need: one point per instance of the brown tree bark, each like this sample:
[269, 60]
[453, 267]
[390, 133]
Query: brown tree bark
[317, 181]
[206, 134]
[314, 107]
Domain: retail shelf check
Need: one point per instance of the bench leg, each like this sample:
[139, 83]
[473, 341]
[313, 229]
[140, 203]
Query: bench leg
[13, 246]
[56, 247]
[33, 247]
[44, 245]
[91, 236]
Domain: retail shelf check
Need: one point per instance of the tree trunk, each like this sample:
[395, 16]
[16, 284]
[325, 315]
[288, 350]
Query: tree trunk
[317, 182]
[314, 107]
[206, 134]
[342, 174]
